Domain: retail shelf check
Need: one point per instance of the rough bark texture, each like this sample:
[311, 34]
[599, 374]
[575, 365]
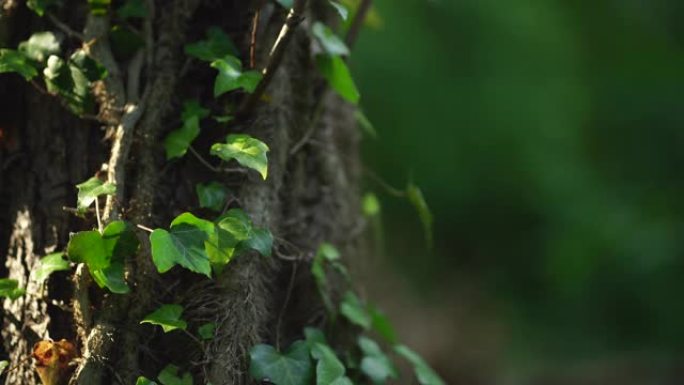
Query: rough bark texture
[309, 197]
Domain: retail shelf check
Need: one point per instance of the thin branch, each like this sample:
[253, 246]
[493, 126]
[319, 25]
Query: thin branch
[143, 227]
[253, 38]
[389, 188]
[65, 28]
[357, 23]
[318, 111]
[97, 215]
[293, 19]
[202, 160]
[290, 286]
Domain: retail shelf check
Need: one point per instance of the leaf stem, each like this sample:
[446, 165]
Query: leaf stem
[202, 160]
[143, 227]
[389, 188]
[97, 215]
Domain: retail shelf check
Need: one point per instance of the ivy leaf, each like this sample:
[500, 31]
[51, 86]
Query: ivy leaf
[91, 69]
[231, 77]
[170, 376]
[207, 331]
[314, 335]
[104, 254]
[370, 205]
[132, 9]
[40, 46]
[39, 6]
[341, 9]
[177, 142]
[144, 381]
[15, 61]
[326, 253]
[69, 82]
[49, 264]
[99, 7]
[352, 308]
[90, 190]
[237, 223]
[168, 317]
[291, 368]
[329, 367]
[365, 124]
[192, 108]
[10, 288]
[57, 76]
[211, 195]
[287, 4]
[336, 72]
[381, 324]
[375, 364]
[330, 42]
[248, 151]
[261, 241]
[423, 371]
[415, 196]
[183, 244]
[3, 365]
[216, 46]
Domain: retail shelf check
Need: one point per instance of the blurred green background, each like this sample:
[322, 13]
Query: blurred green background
[546, 136]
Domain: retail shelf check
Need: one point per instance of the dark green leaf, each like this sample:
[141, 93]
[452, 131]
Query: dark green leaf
[314, 335]
[39, 6]
[49, 264]
[261, 241]
[329, 367]
[99, 7]
[212, 195]
[89, 190]
[192, 108]
[70, 83]
[125, 42]
[40, 46]
[330, 42]
[291, 368]
[375, 364]
[383, 326]
[177, 142]
[144, 381]
[217, 45]
[91, 69]
[131, 9]
[287, 4]
[355, 311]
[335, 71]
[183, 244]
[423, 371]
[170, 376]
[15, 61]
[207, 331]
[231, 77]
[248, 151]
[415, 196]
[10, 288]
[168, 317]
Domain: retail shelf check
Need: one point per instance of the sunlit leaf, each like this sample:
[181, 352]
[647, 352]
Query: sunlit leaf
[336, 72]
[49, 264]
[90, 68]
[89, 190]
[168, 317]
[293, 367]
[231, 77]
[3, 365]
[330, 42]
[370, 205]
[341, 9]
[144, 381]
[15, 61]
[10, 288]
[40, 46]
[248, 151]
[183, 244]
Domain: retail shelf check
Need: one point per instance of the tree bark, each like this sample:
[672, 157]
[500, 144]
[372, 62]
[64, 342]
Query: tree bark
[310, 196]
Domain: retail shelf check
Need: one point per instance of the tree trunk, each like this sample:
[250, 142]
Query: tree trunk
[310, 195]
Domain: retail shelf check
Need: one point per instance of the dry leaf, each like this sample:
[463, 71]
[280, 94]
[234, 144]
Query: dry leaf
[52, 359]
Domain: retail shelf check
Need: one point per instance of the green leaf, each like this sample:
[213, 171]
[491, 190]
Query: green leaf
[3, 365]
[170, 376]
[192, 108]
[132, 9]
[144, 381]
[423, 371]
[375, 364]
[216, 46]
[104, 254]
[177, 142]
[89, 190]
[326, 253]
[341, 9]
[261, 241]
[207, 331]
[237, 223]
[40, 46]
[415, 196]
[381, 324]
[248, 151]
[370, 205]
[329, 367]
[39, 6]
[69, 82]
[314, 335]
[330, 42]
[212, 195]
[91, 69]
[291, 368]
[287, 4]
[99, 7]
[365, 124]
[168, 317]
[49, 264]
[231, 77]
[183, 244]
[223, 118]
[352, 308]
[336, 72]
[15, 61]
[10, 288]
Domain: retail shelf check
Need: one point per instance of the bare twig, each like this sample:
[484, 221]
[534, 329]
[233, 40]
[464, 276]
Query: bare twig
[253, 38]
[97, 215]
[143, 227]
[290, 286]
[318, 111]
[65, 28]
[357, 23]
[293, 19]
[202, 160]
